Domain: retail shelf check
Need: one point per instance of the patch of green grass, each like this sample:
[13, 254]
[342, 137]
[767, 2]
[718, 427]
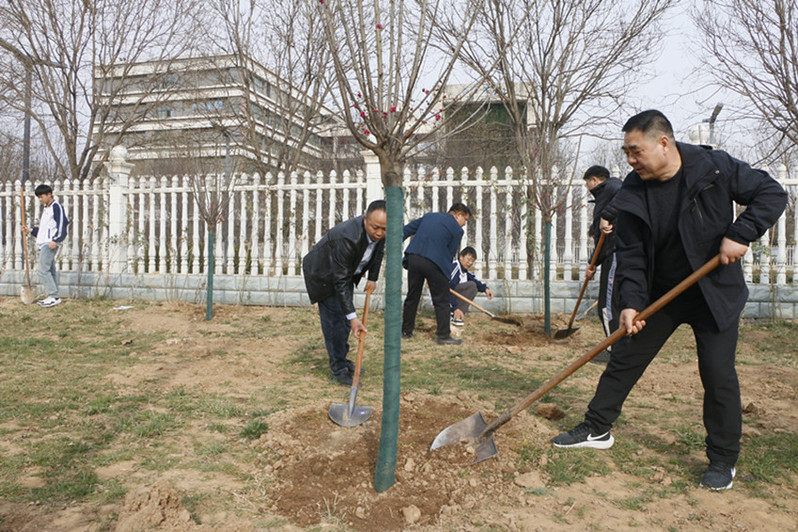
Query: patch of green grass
[770, 458]
[567, 467]
[254, 429]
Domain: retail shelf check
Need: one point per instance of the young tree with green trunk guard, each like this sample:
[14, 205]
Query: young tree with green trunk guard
[390, 72]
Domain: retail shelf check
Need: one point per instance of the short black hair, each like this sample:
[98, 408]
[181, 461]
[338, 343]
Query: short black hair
[376, 205]
[597, 171]
[648, 121]
[460, 207]
[43, 189]
[468, 250]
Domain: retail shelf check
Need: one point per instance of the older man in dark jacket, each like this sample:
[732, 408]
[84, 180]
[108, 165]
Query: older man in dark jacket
[675, 212]
[333, 268]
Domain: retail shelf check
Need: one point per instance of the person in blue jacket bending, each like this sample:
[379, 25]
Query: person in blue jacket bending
[465, 283]
[436, 238]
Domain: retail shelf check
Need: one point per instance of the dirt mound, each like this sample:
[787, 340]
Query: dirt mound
[323, 472]
[156, 507]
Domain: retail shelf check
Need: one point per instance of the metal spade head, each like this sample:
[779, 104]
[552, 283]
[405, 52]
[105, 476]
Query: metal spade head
[341, 414]
[565, 333]
[27, 294]
[468, 430]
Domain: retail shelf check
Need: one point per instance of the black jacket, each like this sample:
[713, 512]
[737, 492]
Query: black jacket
[713, 180]
[329, 267]
[603, 194]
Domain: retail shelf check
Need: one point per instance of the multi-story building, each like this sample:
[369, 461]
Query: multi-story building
[214, 113]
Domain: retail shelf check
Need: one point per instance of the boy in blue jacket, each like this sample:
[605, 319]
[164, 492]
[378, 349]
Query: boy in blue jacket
[465, 283]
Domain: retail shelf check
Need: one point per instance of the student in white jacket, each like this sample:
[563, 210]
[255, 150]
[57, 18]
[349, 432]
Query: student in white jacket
[50, 233]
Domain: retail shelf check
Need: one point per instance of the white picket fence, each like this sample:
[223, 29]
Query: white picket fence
[273, 221]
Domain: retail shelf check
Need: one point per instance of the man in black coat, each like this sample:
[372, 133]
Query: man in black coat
[603, 189]
[333, 268]
[675, 213]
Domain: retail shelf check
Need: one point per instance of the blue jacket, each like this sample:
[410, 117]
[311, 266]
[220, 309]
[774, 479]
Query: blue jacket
[713, 180]
[436, 236]
[455, 279]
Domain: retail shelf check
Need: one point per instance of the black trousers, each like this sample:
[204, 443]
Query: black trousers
[716, 354]
[420, 269]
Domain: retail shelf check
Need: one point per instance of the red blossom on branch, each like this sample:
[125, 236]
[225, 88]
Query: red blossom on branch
[393, 108]
[366, 131]
[379, 26]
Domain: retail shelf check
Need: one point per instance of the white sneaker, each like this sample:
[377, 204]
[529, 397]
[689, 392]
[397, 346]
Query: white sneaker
[50, 302]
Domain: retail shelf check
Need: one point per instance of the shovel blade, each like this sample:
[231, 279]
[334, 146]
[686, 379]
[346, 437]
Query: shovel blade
[339, 413]
[565, 333]
[468, 430]
[27, 294]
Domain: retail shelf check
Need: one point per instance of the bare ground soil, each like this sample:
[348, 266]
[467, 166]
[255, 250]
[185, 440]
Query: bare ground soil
[311, 474]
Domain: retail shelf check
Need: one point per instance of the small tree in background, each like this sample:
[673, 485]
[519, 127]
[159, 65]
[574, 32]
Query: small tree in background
[564, 69]
[751, 49]
[76, 104]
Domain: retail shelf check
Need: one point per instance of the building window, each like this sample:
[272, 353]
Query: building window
[257, 84]
[165, 112]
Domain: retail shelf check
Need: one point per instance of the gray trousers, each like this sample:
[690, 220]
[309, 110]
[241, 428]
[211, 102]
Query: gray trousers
[47, 271]
[467, 289]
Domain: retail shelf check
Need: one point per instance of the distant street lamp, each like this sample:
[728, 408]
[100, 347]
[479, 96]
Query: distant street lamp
[713, 116]
[705, 134]
[29, 62]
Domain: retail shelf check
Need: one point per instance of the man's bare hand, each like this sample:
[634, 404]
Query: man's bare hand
[489, 293]
[458, 314]
[628, 323]
[590, 272]
[357, 327]
[370, 284]
[731, 251]
[605, 226]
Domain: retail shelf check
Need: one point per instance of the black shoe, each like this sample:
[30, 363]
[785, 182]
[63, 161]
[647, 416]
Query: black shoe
[448, 340]
[344, 378]
[407, 334]
[351, 366]
[718, 476]
[602, 358]
[583, 436]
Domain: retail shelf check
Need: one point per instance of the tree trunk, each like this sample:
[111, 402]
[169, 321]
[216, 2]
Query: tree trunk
[547, 279]
[385, 473]
[209, 293]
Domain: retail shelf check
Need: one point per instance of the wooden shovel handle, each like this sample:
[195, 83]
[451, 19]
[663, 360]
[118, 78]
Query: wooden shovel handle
[584, 285]
[614, 337]
[361, 339]
[464, 298]
[24, 234]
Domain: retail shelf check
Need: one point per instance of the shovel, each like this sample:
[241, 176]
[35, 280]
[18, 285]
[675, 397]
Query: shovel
[476, 432]
[351, 415]
[27, 293]
[565, 333]
[510, 320]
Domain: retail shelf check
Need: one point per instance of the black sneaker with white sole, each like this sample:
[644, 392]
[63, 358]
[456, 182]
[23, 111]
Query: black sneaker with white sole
[583, 435]
[718, 476]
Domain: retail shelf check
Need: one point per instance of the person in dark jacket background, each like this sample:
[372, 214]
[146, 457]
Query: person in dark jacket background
[603, 189]
[436, 237]
[332, 269]
[675, 213]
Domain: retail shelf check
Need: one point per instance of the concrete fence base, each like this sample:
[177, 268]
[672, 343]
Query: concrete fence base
[512, 297]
